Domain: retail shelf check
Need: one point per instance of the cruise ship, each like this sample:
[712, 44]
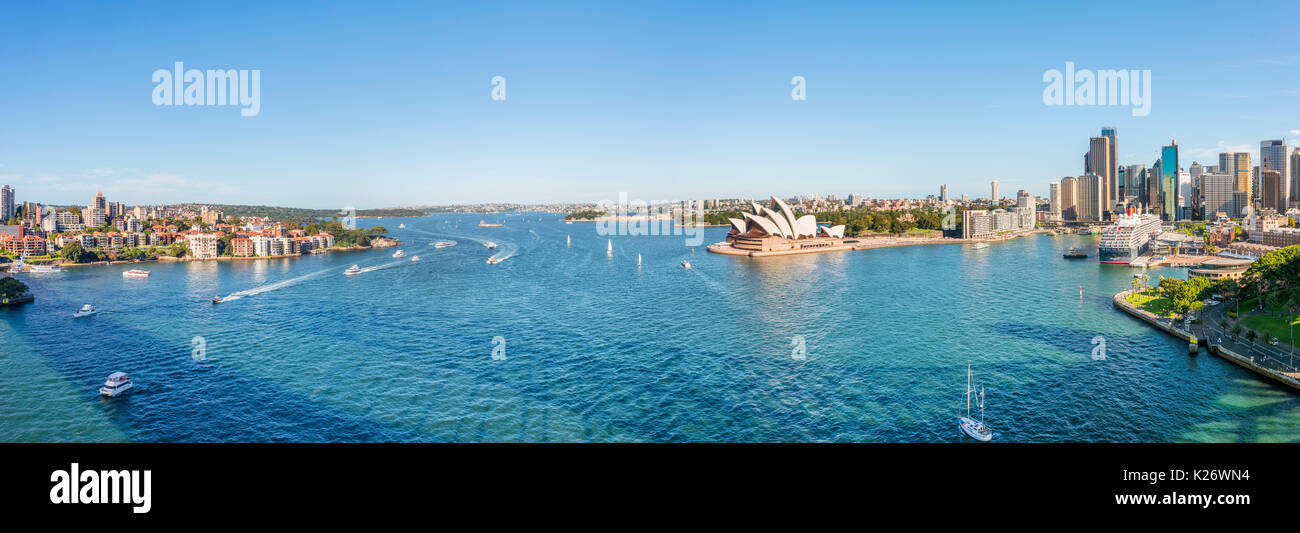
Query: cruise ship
[1128, 238]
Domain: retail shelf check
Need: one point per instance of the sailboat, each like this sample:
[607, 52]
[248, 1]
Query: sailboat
[638, 259]
[977, 430]
[609, 248]
[568, 240]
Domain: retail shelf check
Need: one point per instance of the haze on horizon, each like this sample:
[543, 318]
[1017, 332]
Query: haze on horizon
[390, 105]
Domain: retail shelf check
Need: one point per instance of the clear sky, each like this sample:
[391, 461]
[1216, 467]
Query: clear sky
[374, 105]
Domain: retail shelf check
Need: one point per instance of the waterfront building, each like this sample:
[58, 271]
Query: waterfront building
[977, 224]
[203, 245]
[1275, 155]
[1250, 249]
[1103, 166]
[775, 230]
[1069, 198]
[1220, 268]
[6, 203]
[261, 245]
[1054, 202]
[19, 243]
[1025, 206]
[1217, 191]
[1090, 197]
[1113, 191]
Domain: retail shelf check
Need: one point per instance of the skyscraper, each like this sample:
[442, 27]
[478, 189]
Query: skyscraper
[1109, 133]
[1276, 155]
[1218, 189]
[943, 193]
[994, 196]
[6, 204]
[1069, 198]
[1099, 159]
[1237, 164]
[1270, 187]
[100, 202]
[1169, 181]
[1054, 202]
[1091, 194]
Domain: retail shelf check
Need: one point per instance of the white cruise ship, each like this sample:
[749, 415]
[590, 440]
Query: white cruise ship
[1128, 238]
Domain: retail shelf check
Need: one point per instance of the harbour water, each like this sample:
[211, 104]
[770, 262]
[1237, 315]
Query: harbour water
[597, 349]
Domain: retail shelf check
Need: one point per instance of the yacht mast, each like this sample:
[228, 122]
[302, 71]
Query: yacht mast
[968, 389]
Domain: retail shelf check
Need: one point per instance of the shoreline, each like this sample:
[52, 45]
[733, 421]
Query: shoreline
[170, 259]
[1247, 362]
[872, 243]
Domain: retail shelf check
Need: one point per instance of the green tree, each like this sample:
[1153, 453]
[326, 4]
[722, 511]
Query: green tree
[12, 287]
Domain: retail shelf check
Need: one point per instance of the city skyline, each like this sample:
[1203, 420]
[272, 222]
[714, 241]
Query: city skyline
[660, 109]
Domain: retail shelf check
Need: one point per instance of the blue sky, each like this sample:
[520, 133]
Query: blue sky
[374, 104]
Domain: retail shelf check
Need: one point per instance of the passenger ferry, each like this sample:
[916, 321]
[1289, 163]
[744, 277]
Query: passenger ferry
[117, 383]
[44, 269]
[1128, 238]
[136, 274]
[86, 310]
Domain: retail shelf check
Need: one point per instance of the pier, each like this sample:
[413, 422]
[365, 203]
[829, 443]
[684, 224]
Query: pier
[1263, 360]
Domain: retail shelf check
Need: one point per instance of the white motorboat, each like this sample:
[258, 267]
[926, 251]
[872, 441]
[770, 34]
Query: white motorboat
[399, 254]
[976, 429]
[443, 244]
[493, 261]
[401, 226]
[117, 383]
[86, 310]
[415, 258]
[135, 274]
[980, 245]
[686, 264]
[490, 245]
[352, 271]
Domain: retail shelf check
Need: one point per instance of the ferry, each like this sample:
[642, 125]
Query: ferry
[443, 244]
[976, 429]
[352, 271]
[135, 274]
[484, 224]
[1129, 238]
[44, 269]
[399, 254]
[86, 310]
[117, 383]
[1075, 253]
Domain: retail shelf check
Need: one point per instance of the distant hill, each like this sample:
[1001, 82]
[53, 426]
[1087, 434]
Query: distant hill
[298, 213]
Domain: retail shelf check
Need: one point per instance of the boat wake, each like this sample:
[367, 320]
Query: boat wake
[505, 250]
[262, 289]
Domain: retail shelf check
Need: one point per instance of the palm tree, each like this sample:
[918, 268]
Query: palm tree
[1251, 336]
[1236, 331]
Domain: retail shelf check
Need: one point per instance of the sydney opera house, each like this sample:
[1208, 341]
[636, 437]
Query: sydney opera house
[775, 230]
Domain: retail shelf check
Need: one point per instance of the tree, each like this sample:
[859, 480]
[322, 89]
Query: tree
[12, 287]
[1236, 330]
[1251, 336]
[75, 253]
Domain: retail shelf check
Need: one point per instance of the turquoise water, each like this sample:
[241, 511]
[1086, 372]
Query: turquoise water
[597, 349]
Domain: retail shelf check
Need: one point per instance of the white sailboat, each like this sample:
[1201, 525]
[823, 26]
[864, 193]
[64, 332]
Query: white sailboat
[609, 248]
[638, 259]
[977, 430]
[568, 240]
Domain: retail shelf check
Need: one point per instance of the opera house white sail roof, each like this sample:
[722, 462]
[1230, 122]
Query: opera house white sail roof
[779, 220]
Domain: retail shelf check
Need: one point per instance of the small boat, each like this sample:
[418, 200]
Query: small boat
[136, 273]
[352, 271]
[216, 300]
[638, 259]
[399, 254]
[443, 244]
[86, 310]
[686, 264]
[976, 429]
[980, 245]
[44, 269]
[117, 383]
[484, 224]
[415, 259]
[401, 226]
[568, 240]
[1075, 253]
[493, 261]
[609, 248]
[490, 245]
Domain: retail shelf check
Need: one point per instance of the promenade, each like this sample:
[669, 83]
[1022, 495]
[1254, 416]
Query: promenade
[1273, 362]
